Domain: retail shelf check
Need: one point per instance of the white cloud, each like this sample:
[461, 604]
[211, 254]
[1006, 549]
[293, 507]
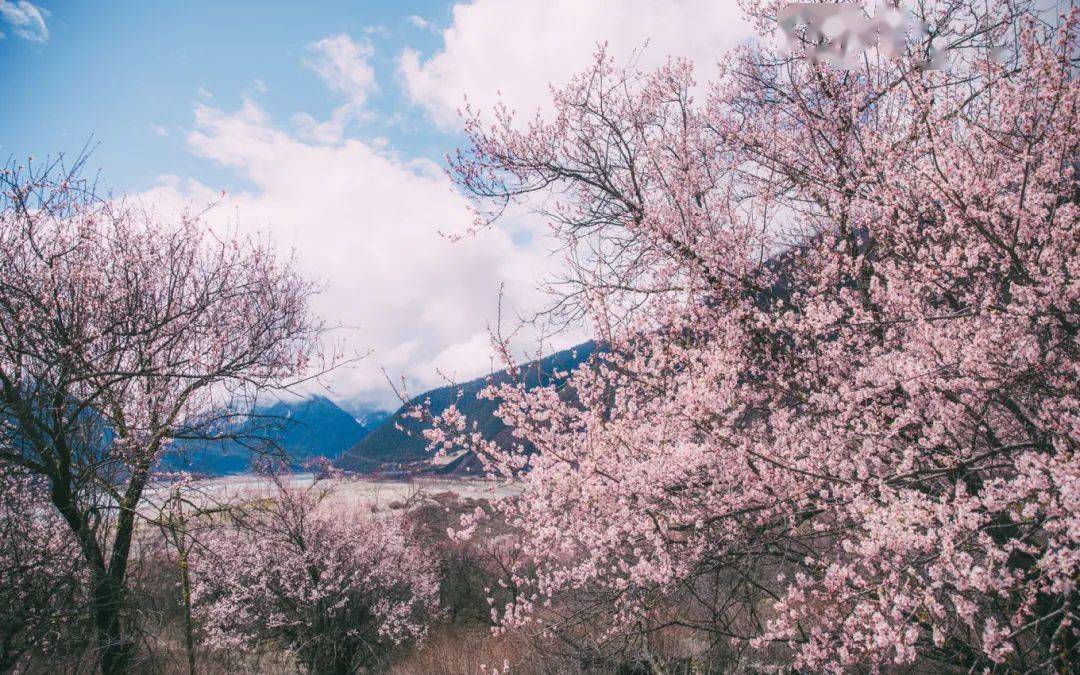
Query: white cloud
[517, 49]
[26, 20]
[366, 222]
[458, 362]
[345, 67]
[327, 131]
[419, 22]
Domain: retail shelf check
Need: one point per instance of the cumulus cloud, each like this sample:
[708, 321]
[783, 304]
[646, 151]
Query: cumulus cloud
[367, 223]
[517, 49]
[26, 20]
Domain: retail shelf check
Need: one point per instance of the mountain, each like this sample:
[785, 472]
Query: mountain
[397, 443]
[367, 416]
[303, 429]
[315, 427]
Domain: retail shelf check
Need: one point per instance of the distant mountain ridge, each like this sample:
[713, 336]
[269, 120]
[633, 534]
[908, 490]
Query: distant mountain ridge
[312, 427]
[398, 443]
[358, 438]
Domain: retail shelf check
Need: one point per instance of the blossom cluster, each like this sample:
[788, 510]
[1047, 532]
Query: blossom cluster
[308, 574]
[839, 311]
[40, 575]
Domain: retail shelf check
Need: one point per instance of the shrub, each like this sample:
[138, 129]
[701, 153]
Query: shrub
[332, 585]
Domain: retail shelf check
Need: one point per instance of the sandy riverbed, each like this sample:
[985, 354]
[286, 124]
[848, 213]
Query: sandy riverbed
[376, 495]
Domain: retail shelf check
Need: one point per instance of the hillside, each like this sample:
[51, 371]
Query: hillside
[388, 447]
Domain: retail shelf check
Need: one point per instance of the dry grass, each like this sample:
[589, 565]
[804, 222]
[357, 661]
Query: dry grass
[456, 650]
[164, 653]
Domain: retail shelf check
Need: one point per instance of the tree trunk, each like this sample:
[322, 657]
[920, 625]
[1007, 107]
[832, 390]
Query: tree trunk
[106, 591]
[115, 649]
[107, 581]
[185, 588]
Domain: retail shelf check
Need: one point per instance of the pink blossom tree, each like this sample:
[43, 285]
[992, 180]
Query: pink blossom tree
[840, 310]
[40, 574]
[313, 575]
[120, 332]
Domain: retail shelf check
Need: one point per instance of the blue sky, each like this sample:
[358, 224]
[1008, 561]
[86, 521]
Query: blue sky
[125, 71]
[326, 125]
